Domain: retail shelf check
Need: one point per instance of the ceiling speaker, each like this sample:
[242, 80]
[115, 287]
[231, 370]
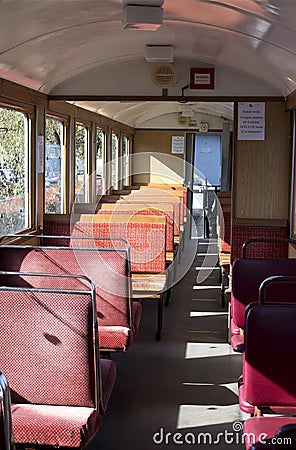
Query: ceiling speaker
[164, 75]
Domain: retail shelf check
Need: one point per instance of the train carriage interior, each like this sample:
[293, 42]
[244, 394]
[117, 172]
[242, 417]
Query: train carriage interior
[148, 224]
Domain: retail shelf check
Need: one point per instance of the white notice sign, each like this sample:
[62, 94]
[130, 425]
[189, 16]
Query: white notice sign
[178, 144]
[251, 121]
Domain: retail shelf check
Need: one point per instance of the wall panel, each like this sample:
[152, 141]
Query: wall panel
[262, 169]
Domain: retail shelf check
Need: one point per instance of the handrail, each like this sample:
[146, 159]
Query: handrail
[284, 279]
[251, 240]
[6, 413]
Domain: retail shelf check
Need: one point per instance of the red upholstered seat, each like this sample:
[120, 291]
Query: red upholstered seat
[269, 370]
[248, 274]
[63, 426]
[242, 233]
[6, 432]
[49, 350]
[141, 210]
[237, 343]
[146, 236]
[267, 433]
[107, 268]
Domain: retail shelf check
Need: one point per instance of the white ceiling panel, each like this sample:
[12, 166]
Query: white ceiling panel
[79, 47]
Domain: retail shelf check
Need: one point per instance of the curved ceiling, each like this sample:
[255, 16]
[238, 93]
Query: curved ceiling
[79, 47]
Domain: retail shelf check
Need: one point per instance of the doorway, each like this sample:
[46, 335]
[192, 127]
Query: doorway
[206, 182]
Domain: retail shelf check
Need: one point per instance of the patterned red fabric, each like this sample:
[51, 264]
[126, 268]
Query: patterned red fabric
[54, 227]
[240, 234]
[146, 240]
[142, 211]
[121, 338]
[52, 334]
[176, 206]
[225, 231]
[107, 269]
[47, 352]
[62, 426]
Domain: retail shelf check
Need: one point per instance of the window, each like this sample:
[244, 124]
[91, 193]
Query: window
[115, 149]
[15, 170]
[100, 161]
[54, 166]
[125, 160]
[81, 163]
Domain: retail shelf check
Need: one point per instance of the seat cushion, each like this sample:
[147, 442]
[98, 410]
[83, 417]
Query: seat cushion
[115, 338]
[243, 404]
[58, 426]
[118, 337]
[237, 343]
[259, 430]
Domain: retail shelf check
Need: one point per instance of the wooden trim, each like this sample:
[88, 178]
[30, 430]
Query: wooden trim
[134, 207]
[12, 91]
[260, 222]
[164, 98]
[291, 101]
[224, 194]
[59, 107]
[226, 207]
[113, 218]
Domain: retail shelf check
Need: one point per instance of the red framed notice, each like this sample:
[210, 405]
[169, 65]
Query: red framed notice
[203, 78]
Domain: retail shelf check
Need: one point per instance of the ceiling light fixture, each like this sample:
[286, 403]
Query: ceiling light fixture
[142, 17]
[159, 53]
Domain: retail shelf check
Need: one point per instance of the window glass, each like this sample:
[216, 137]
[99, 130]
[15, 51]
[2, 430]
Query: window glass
[125, 161]
[54, 163]
[81, 147]
[115, 149]
[100, 161]
[14, 171]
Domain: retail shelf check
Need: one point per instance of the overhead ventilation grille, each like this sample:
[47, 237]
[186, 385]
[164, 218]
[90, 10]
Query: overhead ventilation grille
[164, 75]
[192, 122]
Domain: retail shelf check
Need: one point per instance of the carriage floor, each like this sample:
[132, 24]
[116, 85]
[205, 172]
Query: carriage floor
[180, 391]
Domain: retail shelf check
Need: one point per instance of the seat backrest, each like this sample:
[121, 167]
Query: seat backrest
[247, 275]
[107, 268]
[146, 236]
[148, 210]
[6, 433]
[269, 369]
[161, 200]
[49, 343]
[240, 232]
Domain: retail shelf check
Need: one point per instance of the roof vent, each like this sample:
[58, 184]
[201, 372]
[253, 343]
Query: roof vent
[164, 75]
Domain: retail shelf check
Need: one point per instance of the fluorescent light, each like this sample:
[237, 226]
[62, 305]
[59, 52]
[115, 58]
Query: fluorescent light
[142, 17]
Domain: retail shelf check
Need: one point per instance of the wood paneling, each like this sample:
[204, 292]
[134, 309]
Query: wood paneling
[156, 141]
[262, 169]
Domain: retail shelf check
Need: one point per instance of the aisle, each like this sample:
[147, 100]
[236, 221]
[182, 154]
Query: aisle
[185, 383]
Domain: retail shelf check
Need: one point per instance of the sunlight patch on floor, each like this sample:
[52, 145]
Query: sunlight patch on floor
[207, 313]
[206, 350]
[190, 416]
[206, 287]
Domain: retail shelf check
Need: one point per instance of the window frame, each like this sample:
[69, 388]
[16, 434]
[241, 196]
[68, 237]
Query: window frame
[31, 163]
